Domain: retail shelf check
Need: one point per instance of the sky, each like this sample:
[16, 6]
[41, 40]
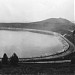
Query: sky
[35, 10]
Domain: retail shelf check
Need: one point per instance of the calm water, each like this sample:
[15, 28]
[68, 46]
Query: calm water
[28, 44]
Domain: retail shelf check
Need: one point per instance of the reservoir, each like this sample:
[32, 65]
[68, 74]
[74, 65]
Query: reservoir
[27, 44]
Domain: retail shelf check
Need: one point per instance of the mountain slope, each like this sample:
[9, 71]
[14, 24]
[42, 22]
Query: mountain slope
[54, 24]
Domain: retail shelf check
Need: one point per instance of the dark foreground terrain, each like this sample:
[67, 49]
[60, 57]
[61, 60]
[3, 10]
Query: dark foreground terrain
[39, 69]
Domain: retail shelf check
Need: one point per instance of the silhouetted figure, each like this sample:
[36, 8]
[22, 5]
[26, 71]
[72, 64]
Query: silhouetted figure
[14, 60]
[73, 54]
[73, 37]
[73, 32]
[73, 58]
[5, 59]
[0, 65]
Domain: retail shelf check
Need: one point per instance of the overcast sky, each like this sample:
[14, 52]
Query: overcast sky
[35, 10]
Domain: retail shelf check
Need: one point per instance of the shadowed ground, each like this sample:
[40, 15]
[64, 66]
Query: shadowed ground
[39, 69]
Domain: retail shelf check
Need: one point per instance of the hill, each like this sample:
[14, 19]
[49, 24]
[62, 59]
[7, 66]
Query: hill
[59, 25]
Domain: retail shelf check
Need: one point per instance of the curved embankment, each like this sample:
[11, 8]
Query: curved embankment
[68, 51]
[31, 30]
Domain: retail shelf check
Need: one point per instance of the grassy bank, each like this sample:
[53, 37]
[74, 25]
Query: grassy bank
[39, 69]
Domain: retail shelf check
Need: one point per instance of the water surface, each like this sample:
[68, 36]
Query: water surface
[29, 44]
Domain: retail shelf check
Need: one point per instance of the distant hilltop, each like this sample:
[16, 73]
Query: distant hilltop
[59, 25]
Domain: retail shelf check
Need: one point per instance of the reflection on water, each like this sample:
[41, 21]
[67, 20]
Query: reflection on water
[28, 44]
